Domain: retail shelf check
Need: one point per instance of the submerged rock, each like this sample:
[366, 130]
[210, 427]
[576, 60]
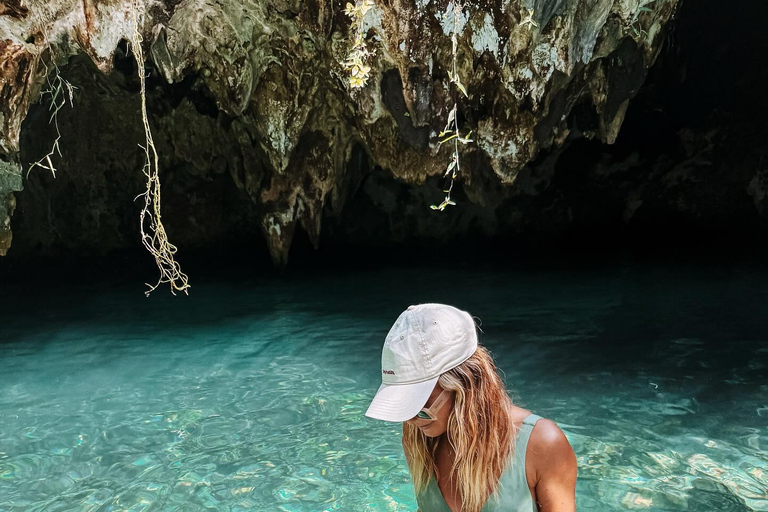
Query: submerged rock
[251, 106]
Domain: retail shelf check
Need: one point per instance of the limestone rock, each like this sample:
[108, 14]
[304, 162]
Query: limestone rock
[266, 102]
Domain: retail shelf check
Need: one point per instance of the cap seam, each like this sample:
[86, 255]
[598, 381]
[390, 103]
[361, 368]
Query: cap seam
[423, 346]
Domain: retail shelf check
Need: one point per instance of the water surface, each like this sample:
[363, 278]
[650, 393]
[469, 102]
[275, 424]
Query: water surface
[249, 395]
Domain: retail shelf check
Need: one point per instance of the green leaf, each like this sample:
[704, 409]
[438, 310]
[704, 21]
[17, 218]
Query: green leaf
[450, 168]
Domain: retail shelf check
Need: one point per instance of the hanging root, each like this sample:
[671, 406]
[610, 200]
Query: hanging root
[153, 234]
[59, 90]
[451, 132]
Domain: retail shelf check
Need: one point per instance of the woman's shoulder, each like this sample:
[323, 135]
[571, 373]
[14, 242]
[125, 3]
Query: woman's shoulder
[547, 441]
[548, 436]
[550, 464]
[545, 433]
[551, 452]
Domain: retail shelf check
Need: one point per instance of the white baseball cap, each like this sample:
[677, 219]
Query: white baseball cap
[426, 341]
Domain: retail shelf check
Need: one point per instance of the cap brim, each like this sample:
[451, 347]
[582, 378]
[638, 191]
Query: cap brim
[400, 402]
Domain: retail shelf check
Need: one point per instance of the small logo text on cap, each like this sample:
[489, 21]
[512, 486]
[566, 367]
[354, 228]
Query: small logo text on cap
[388, 372]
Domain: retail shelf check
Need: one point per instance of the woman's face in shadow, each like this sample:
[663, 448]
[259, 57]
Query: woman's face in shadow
[437, 427]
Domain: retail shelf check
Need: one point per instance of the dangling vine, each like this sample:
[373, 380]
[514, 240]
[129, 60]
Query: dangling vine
[153, 234]
[60, 90]
[451, 132]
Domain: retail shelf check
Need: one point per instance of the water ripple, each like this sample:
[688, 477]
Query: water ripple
[256, 400]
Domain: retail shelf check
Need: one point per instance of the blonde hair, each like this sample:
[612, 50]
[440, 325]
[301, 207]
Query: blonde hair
[480, 431]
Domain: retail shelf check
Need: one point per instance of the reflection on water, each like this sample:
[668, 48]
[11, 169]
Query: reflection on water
[251, 396]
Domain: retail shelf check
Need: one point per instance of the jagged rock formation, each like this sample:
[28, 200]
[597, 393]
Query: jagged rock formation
[251, 105]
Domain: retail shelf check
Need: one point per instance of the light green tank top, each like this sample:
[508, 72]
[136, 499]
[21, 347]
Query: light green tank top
[513, 492]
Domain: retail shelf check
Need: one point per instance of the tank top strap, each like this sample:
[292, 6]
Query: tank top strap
[513, 489]
[521, 441]
[531, 419]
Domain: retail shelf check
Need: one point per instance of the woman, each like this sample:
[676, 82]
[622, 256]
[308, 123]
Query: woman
[467, 446]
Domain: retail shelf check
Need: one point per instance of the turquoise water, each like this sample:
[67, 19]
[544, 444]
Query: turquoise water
[250, 395]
